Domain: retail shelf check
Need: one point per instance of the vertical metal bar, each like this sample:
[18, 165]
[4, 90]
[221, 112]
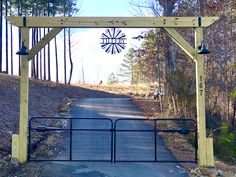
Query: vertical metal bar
[115, 143]
[70, 139]
[155, 135]
[111, 141]
[196, 146]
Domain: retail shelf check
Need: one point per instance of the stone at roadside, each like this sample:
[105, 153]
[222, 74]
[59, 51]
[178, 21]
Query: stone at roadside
[7, 158]
[14, 162]
[212, 174]
[227, 174]
[196, 172]
[220, 173]
[193, 171]
[2, 162]
[204, 171]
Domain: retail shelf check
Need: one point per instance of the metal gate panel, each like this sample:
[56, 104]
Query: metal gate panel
[70, 139]
[155, 140]
[130, 146]
[93, 145]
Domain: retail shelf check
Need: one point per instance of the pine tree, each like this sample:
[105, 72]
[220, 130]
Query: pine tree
[112, 79]
[130, 69]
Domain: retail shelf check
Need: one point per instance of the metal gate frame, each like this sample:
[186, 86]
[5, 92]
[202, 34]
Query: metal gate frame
[113, 129]
[71, 130]
[155, 130]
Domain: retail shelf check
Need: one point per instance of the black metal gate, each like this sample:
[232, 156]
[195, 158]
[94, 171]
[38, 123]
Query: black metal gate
[155, 140]
[70, 139]
[96, 139]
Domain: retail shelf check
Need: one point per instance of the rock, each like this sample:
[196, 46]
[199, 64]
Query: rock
[204, 171]
[193, 171]
[14, 162]
[198, 171]
[212, 174]
[7, 158]
[219, 173]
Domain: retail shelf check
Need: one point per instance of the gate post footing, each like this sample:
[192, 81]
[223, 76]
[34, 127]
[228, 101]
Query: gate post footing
[15, 147]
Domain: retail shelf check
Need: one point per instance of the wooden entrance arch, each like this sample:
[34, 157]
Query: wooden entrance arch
[205, 145]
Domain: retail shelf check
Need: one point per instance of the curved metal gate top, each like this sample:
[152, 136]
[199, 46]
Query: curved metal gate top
[97, 139]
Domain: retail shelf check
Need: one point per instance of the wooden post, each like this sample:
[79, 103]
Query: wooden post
[20, 142]
[205, 149]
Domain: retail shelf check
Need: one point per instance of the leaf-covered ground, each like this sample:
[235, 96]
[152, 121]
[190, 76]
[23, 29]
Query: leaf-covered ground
[49, 99]
[45, 99]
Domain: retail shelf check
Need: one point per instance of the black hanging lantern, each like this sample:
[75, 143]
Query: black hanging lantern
[23, 50]
[203, 49]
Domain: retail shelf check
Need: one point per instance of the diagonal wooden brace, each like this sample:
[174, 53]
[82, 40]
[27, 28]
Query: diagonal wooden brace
[41, 44]
[182, 43]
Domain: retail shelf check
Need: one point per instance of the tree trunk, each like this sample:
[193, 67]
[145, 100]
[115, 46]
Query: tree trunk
[37, 55]
[65, 80]
[56, 54]
[19, 9]
[228, 108]
[49, 67]
[6, 10]
[65, 45]
[174, 105]
[70, 56]
[11, 42]
[40, 57]
[56, 57]
[234, 113]
[1, 10]
[33, 59]
[12, 71]
[49, 59]
[82, 67]
[44, 58]
[159, 74]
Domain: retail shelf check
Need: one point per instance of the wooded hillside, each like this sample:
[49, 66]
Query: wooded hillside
[160, 62]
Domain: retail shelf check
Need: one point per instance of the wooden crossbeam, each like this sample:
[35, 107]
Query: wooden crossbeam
[104, 22]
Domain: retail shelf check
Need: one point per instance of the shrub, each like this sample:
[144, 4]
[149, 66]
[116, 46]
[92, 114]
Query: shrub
[225, 144]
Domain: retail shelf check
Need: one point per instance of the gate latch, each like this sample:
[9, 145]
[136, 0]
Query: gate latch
[42, 128]
[184, 131]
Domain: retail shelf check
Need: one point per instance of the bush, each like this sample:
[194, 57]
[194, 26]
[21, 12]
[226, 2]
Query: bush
[225, 147]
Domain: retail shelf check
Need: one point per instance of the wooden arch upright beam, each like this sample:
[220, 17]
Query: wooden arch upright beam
[20, 141]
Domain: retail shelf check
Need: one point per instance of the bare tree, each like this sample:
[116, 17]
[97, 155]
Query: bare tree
[1, 14]
[6, 26]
